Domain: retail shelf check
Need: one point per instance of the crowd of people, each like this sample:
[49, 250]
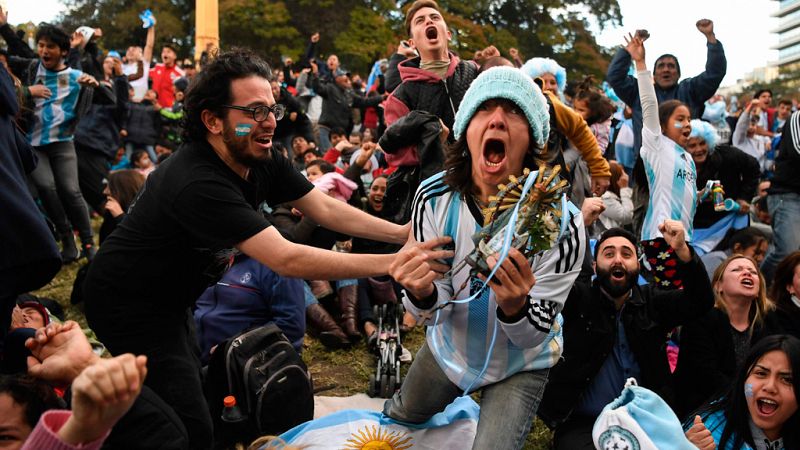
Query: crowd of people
[235, 194]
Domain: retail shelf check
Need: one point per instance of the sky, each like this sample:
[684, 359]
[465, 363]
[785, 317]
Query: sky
[743, 26]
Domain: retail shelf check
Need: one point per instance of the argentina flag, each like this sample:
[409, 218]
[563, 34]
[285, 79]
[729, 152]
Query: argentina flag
[706, 239]
[453, 428]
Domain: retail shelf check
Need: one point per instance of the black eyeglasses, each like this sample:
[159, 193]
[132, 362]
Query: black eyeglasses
[261, 113]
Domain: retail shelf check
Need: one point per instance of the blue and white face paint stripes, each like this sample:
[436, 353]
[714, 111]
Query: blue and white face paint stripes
[243, 129]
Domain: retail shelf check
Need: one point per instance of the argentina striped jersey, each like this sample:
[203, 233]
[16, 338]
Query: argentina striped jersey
[670, 170]
[54, 117]
[460, 340]
[672, 177]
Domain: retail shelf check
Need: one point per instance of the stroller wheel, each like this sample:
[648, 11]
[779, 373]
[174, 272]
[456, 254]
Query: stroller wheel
[372, 389]
[392, 385]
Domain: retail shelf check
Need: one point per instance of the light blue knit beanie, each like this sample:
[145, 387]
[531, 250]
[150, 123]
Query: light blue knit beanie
[535, 67]
[705, 131]
[510, 84]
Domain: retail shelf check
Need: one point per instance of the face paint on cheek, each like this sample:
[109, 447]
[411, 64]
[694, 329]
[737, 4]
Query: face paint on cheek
[243, 129]
[677, 125]
[748, 390]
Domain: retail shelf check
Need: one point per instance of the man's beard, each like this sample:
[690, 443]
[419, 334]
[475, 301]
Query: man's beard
[238, 146]
[617, 289]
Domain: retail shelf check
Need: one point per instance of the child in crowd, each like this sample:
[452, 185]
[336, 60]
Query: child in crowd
[670, 170]
[141, 129]
[170, 118]
[141, 162]
[595, 108]
[617, 200]
[325, 178]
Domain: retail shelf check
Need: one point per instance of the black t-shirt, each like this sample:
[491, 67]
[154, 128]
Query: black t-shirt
[162, 256]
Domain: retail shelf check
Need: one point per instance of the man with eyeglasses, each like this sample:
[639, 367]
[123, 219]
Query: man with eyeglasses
[199, 204]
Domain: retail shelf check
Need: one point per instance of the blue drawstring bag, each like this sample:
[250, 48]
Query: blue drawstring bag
[639, 420]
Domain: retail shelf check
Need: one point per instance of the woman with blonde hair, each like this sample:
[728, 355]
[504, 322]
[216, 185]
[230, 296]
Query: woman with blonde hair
[714, 346]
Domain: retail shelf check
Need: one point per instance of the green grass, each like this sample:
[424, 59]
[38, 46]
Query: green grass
[341, 372]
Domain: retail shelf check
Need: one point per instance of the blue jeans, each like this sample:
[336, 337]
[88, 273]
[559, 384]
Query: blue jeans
[507, 407]
[785, 211]
[56, 180]
[308, 295]
[324, 139]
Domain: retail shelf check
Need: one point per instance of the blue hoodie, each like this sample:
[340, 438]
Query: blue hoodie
[250, 294]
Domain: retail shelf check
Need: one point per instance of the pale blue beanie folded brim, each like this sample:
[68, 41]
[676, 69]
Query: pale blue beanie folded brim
[705, 131]
[536, 67]
[511, 84]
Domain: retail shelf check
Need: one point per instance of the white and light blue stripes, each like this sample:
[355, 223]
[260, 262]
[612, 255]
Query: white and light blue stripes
[460, 335]
[672, 176]
[55, 116]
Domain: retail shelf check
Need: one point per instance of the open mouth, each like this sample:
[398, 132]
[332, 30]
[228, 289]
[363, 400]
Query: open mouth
[264, 140]
[766, 406]
[494, 152]
[686, 131]
[618, 274]
[431, 32]
[748, 282]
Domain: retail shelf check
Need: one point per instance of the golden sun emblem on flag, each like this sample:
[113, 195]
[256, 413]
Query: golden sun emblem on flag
[378, 438]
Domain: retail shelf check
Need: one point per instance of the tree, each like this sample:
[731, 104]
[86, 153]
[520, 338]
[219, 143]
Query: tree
[266, 30]
[545, 28]
[360, 31]
[364, 39]
[119, 20]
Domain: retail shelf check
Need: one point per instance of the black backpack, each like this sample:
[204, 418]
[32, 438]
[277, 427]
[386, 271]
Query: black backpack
[270, 381]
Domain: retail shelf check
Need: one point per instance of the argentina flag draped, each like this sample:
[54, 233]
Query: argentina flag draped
[366, 430]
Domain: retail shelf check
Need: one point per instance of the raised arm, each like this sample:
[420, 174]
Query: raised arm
[617, 76]
[150, 43]
[16, 46]
[705, 85]
[647, 91]
[740, 132]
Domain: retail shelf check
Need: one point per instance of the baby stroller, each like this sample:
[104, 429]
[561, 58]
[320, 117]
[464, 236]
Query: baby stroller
[386, 379]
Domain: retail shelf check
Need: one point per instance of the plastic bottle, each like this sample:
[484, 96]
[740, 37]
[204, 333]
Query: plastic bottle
[234, 426]
[231, 412]
[718, 197]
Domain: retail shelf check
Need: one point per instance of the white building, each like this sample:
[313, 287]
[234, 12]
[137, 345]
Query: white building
[788, 32]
